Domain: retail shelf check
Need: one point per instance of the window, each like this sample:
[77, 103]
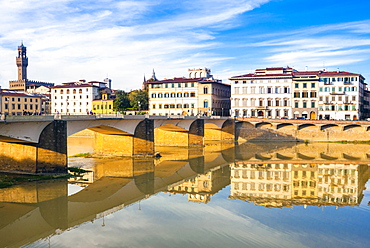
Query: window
[296, 104]
[296, 85]
[205, 90]
[179, 94]
[153, 95]
[74, 91]
[236, 89]
[192, 84]
[269, 90]
[179, 106]
[277, 102]
[296, 95]
[160, 106]
[186, 94]
[305, 94]
[313, 105]
[173, 85]
[304, 85]
[192, 94]
[179, 85]
[304, 104]
[313, 94]
[61, 92]
[313, 85]
[67, 91]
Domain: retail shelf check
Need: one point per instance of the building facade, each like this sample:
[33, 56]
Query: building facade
[341, 95]
[266, 93]
[19, 103]
[305, 87]
[76, 97]
[194, 95]
[287, 93]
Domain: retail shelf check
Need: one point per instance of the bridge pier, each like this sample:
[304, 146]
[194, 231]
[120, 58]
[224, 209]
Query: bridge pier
[49, 155]
[141, 143]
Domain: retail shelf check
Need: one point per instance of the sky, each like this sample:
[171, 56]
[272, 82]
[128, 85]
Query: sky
[126, 40]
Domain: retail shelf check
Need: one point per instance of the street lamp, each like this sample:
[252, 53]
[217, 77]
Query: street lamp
[139, 105]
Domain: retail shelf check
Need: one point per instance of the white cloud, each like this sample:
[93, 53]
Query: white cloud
[69, 40]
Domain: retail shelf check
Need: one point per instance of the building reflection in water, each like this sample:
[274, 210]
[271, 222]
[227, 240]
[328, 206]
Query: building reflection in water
[285, 185]
[272, 175]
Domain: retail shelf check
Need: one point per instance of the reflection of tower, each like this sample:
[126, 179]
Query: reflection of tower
[22, 62]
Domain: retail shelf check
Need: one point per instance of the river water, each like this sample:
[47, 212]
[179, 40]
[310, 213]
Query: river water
[249, 195]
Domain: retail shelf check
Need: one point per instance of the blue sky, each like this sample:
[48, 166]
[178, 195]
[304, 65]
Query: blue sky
[123, 40]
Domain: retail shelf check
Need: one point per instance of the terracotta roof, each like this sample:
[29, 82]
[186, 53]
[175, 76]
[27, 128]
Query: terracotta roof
[337, 73]
[73, 85]
[263, 75]
[10, 93]
[176, 80]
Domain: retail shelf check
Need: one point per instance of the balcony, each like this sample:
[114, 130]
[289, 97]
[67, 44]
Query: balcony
[337, 93]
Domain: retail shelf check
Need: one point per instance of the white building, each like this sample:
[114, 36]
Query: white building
[75, 97]
[200, 94]
[341, 95]
[287, 93]
[266, 93]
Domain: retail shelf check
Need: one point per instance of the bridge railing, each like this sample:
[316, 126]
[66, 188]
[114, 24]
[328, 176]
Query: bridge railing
[51, 117]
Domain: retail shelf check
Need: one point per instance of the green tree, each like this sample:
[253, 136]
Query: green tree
[139, 96]
[122, 101]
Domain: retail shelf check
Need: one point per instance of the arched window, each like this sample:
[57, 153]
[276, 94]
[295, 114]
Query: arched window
[74, 91]
[173, 94]
[179, 94]
[67, 91]
[61, 92]
[178, 106]
[80, 91]
[205, 104]
[186, 94]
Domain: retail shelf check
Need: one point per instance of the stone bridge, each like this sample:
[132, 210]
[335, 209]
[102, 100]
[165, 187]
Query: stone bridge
[38, 144]
[302, 130]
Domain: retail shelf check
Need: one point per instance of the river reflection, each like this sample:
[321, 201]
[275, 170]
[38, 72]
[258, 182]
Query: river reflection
[250, 195]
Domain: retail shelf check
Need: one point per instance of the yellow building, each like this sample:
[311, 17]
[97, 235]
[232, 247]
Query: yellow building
[18, 103]
[104, 105]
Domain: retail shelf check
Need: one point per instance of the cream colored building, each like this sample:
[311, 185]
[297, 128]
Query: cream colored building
[266, 93]
[199, 94]
[19, 103]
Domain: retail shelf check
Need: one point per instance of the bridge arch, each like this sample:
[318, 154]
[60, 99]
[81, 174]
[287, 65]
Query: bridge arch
[179, 132]
[308, 125]
[282, 125]
[223, 129]
[326, 126]
[263, 124]
[352, 126]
